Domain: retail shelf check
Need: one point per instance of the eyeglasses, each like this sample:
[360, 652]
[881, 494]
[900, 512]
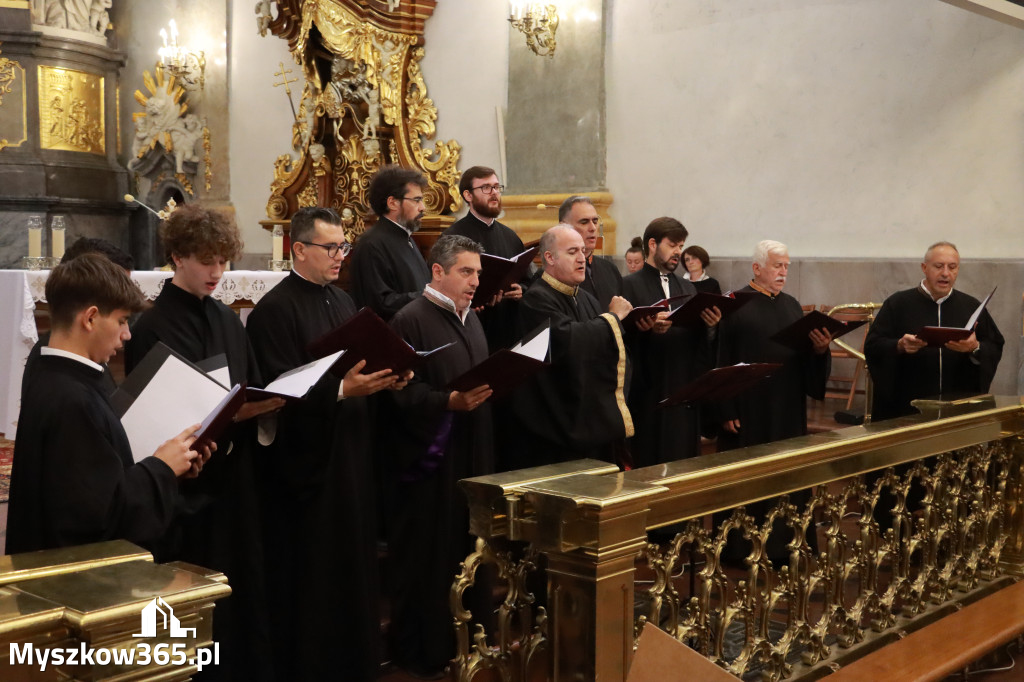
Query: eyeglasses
[490, 189]
[415, 200]
[333, 249]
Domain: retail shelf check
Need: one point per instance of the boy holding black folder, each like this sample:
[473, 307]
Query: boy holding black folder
[74, 479]
[440, 437]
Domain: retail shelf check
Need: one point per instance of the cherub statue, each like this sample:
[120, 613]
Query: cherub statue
[263, 17]
[185, 133]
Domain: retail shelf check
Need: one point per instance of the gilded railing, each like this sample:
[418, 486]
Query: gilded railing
[850, 538]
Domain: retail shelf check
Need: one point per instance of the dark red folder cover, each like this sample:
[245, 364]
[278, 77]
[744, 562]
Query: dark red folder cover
[721, 383]
[506, 369]
[498, 274]
[688, 314]
[796, 335]
[218, 421]
[367, 337]
[939, 336]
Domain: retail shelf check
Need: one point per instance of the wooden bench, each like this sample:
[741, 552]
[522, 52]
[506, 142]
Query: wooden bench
[946, 646]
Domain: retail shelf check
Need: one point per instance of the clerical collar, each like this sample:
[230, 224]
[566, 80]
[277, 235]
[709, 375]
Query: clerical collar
[757, 287]
[442, 301]
[306, 279]
[186, 297]
[924, 290]
[61, 353]
[486, 221]
[400, 227]
[560, 287]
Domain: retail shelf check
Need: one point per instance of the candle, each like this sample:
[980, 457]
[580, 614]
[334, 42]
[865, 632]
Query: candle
[278, 243]
[35, 237]
[57, 233]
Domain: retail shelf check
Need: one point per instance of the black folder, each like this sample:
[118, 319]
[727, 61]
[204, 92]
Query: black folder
[688, 314]
[796, 335]
[367, 337]
[939, 336]
[498, 274]
[721, 383]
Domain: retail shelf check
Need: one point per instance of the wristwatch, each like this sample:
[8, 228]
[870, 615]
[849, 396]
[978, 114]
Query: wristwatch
[977, 349]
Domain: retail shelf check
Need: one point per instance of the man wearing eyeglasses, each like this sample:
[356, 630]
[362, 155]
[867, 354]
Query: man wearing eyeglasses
[322, 524]
[603, 280]
[388, 270]
[482, 192]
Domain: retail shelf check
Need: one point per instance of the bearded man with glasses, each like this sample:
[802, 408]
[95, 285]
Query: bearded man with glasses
[388, 270]
[322, 523]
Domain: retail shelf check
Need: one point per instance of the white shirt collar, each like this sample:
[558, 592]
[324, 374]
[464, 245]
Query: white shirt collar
[59, 352]
[939, 301]
[439, 299]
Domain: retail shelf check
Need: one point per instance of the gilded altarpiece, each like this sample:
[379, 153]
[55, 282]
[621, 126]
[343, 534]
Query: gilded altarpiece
[71, 110]
[364, 104]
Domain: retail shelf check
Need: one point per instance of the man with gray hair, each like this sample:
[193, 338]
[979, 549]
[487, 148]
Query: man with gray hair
[603, 280]
[577, 407]
[904, 367]
[439, 437]
[777, 408]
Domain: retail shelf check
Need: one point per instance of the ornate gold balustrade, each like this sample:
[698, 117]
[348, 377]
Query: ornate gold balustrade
[911, 517]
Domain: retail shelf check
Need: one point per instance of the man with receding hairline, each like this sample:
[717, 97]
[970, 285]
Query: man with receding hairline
[904, 367]
[603, 280]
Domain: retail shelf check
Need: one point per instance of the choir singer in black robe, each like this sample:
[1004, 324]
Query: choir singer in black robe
[903, 367]
[218, 521]
[482, 192]
[321, 531]
[387, 268]
[440, 437]
[74, 479]
[666, 358]
[603, 280]
[776, 408]
[577, 407]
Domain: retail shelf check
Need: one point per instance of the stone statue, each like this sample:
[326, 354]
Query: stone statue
[163, 116]
[87, 16]
[185, 133]
[263, 17]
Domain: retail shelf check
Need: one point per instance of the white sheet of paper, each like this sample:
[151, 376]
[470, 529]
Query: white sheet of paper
[298, 381]
[221, 375]
[537, 347]
[977, 313]
[175, 398]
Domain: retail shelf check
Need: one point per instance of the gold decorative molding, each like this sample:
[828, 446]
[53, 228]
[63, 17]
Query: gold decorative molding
[71, 106]
[11, 84]
[364, 104]
[531, 214]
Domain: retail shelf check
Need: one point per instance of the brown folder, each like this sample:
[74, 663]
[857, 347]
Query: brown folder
[939, 336]
[507, 369]
[721, 383]
[796, 335]
[498, 274]
[688, 314]
[367, 337]
[218, 421]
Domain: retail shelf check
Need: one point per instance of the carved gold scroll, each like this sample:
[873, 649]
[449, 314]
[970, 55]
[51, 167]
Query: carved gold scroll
[71, 110]
[364, 104]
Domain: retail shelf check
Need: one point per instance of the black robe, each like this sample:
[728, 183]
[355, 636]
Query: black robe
[218, 522]
[776, 408]
[709, 285]
[387, 269]
[603, 281]
[320, 520]
[74, 480]
[575, 408]
[902, 377]
[108, 384]
[662, 364]
[500, 322]
[433, 448]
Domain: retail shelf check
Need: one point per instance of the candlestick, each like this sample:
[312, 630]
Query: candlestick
[35, 237]
[57, 233]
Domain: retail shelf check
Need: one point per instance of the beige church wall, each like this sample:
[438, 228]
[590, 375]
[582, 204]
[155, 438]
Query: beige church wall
[260, 123]
[847, 128]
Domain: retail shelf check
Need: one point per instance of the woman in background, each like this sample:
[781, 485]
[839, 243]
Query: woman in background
[696, 261]
[635, 255]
